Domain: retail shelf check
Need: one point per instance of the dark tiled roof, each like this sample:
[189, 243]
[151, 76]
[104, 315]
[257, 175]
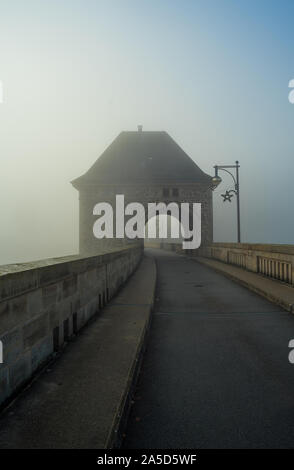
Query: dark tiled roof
[149, 157]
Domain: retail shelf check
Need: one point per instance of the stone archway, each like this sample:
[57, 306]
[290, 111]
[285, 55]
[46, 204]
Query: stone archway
[172, 224]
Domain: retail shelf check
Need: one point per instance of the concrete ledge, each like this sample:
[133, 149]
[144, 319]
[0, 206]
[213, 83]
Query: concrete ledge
[275, 291]
[20, 278]
[83, 399]
[267, 247]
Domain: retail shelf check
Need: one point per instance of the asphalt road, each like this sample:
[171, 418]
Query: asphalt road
[216, 372]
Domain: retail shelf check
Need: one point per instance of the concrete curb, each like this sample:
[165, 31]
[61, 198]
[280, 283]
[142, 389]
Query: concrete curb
[255, 282]
[115, 436]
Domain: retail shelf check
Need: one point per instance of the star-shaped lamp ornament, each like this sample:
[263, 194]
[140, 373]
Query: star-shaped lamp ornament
[227, 196]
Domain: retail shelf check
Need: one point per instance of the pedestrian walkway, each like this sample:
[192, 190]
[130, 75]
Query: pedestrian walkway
[79, 400]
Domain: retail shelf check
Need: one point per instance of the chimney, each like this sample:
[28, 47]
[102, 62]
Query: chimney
[140, 128]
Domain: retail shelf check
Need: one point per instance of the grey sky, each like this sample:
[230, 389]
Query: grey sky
[214, 75]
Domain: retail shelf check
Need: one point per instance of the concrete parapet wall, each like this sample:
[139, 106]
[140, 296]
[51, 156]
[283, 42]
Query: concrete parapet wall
[273, 261]
[45, 302]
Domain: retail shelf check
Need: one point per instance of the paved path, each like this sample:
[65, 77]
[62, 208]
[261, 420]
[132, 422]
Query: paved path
[216, 372]
[77, 402]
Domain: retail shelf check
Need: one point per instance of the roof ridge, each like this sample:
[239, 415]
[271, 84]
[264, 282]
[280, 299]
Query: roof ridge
[134, 156]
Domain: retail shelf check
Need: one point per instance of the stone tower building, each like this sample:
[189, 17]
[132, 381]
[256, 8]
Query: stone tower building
[145, 167]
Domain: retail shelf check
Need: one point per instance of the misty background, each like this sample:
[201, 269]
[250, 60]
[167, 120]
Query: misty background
[213, 74]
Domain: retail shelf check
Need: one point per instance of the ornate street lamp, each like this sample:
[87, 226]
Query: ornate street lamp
[227, 196]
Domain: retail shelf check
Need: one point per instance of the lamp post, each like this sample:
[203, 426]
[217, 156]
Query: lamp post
[227, 196]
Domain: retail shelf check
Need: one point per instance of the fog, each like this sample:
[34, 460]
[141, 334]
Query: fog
[213, 74]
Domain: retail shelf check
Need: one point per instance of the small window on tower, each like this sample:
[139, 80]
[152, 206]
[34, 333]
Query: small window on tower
[165, 192]
[176, 192]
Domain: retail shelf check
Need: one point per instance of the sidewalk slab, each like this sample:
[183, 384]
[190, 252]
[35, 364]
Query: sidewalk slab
[275, 291]
[81, 400]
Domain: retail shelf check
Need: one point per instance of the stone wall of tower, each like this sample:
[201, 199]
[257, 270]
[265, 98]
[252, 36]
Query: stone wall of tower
[144, 194]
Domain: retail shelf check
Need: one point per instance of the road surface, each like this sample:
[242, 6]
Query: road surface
[216, 372]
